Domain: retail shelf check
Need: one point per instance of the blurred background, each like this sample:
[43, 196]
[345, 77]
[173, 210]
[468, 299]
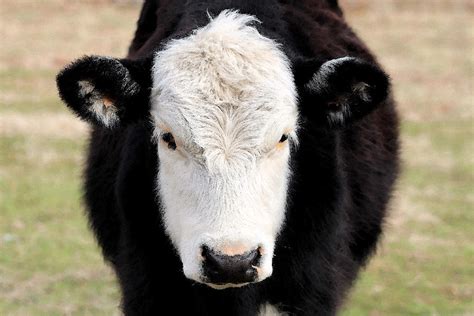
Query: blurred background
[49, 262]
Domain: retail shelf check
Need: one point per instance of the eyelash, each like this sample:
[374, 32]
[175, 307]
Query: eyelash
[169, 139]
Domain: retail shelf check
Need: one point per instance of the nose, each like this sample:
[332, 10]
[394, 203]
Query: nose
[223, 269]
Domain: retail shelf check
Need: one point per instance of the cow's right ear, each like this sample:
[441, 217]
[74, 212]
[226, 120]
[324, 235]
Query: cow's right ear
[107, 91]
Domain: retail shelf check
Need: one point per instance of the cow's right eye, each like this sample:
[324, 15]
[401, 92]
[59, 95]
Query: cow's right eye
[169, 139]
[283, 138]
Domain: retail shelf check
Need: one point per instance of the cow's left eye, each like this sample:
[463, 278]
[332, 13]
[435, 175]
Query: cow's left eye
[283, 138]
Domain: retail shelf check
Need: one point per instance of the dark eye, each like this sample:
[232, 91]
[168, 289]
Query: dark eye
[169, 139]
[284, 138]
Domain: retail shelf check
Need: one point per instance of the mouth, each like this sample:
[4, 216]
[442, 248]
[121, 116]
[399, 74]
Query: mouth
[226, 285]
[222, 285]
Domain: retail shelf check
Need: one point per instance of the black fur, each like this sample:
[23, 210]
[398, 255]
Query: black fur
[125, 83]
[341, 184]
[338, 96]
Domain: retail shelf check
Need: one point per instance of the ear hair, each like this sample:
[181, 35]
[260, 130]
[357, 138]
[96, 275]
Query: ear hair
[339, 91]
[106, 91]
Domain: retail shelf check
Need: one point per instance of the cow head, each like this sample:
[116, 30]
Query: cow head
[223, 103]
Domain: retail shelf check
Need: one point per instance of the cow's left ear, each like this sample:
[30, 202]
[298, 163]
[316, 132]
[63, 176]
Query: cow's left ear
[106, 91]
[340, 91]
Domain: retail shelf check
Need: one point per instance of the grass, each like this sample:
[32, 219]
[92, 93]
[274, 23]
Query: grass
[423, 266]
[49, 262]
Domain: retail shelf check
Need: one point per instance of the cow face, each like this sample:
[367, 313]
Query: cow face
[225, 114]
[224, 111]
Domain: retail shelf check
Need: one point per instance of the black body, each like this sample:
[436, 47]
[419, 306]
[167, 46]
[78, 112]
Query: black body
[343, 176]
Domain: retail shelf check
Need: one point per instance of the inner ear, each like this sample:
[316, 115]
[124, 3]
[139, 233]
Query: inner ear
[99, 104]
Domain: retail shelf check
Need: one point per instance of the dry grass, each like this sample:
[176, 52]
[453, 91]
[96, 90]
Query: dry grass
[427, 49]
[51, 125]
[49, 263]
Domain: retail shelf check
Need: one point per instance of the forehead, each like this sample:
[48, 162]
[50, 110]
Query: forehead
[226, 71]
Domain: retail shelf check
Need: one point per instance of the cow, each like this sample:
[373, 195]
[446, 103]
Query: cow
[241, 158]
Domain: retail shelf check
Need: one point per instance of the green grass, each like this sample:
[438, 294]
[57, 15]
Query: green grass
[38, 83]
[424, 265]
[49, 262]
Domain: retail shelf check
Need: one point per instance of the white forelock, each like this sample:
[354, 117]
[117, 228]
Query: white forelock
[225, 77]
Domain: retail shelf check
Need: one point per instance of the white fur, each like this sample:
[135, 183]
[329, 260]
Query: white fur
[227, 95]
[270, 310]
[106, 114]
[319, 79]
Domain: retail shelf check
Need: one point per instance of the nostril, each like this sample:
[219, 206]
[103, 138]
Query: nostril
[253, 257]
[205, 252]
[211, 259]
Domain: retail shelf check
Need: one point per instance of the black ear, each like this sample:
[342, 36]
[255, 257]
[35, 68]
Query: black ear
[107, 91]
[333, 3]
[340, 91]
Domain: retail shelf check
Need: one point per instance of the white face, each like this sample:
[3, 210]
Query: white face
[223, 102]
